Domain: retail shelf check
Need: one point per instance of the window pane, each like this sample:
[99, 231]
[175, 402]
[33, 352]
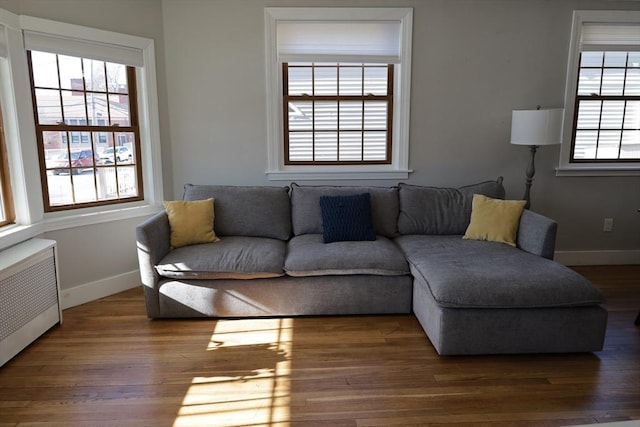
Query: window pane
[632, 86]
[119, 109]
[612, 81]
[589, 114]
[375, 81]
[350, 146]
[589, 81]
[375, 115]
[300, 81]
[326, 146]
[630, 148]
[300, 115]
[634, 60]
[325, 115]
[97, 108]
[350, 115]
[117, 78]
[106, 183]
[49, 109]
[608, 144]
[84, 187]
[94, 75]
[591, 59]
[585, 145]
[60, 189]
[301, 146]
[615, 59]
[326, 81]
[71, 73]
[632, 115]
[350, 80]
[612, 112]
[375, 146]
[127, 182]
[45, 70]
[74, 108]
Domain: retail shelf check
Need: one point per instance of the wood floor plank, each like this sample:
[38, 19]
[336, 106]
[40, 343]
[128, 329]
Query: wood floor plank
[109, 365]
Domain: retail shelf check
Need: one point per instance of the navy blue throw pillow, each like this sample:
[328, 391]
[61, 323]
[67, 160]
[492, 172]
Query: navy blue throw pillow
[347, 218]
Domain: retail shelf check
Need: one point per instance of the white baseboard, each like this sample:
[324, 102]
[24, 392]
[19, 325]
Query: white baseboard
[99, 289]
[612, 257]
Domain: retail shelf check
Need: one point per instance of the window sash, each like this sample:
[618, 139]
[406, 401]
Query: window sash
[606, 125]
[7, 210]
[340, 140]
[115, 174]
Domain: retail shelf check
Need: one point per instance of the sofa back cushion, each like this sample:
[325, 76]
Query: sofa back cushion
[259, 211]
[306, 215]
[433, 210]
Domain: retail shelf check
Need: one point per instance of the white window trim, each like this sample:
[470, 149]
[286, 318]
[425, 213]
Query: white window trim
[565, 168]
[399, 168]
[21, 137]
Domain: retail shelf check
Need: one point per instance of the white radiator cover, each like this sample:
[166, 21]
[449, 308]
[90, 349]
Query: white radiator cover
[29, 294]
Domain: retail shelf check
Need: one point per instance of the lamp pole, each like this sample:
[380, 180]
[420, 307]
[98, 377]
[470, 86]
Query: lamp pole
[531, 171]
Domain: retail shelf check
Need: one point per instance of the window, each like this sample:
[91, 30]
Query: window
[338, 85]
[83, 108]
[337, 113]
[7, 215]
[603, 124]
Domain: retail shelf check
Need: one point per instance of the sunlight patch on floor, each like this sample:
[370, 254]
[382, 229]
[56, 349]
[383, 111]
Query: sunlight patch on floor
[252, 385]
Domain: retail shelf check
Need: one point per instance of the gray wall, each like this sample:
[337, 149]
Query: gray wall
[474, 61]
[96, 253]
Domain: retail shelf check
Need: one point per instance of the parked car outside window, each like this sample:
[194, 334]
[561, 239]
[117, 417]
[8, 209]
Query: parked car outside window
[76, 161]
[121, 154]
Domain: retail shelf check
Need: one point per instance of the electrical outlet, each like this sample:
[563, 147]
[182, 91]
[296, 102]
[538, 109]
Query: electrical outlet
[607, 225]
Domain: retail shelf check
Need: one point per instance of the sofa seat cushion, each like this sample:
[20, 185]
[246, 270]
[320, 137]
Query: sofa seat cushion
[233, 257]
[308, 255]
[477, 274]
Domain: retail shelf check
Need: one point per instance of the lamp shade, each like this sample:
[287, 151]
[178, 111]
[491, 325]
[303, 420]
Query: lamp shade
[536, 127]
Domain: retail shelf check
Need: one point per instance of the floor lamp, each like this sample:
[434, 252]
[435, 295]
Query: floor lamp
[535, 128]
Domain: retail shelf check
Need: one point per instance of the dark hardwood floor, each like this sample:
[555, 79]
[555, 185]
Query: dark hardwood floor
[109, 365]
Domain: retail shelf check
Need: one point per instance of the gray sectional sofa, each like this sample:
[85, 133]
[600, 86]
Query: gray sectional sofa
[470, 296]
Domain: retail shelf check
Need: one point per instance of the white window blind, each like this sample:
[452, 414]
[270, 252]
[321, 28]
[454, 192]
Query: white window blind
[89, 49]
[339, 41]
[610, 37]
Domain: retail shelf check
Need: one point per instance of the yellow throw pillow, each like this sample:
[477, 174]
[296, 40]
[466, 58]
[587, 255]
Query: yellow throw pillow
[191, 222]
[494, 220]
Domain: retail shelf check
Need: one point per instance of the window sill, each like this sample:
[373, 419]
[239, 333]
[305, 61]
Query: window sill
[90, 216]
[319, 173]
[604, 169]
[13, 234]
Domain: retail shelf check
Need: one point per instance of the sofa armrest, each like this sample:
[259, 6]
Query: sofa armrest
[537, 234]
[153, 238]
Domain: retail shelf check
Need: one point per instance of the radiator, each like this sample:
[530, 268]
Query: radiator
[29, 295]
